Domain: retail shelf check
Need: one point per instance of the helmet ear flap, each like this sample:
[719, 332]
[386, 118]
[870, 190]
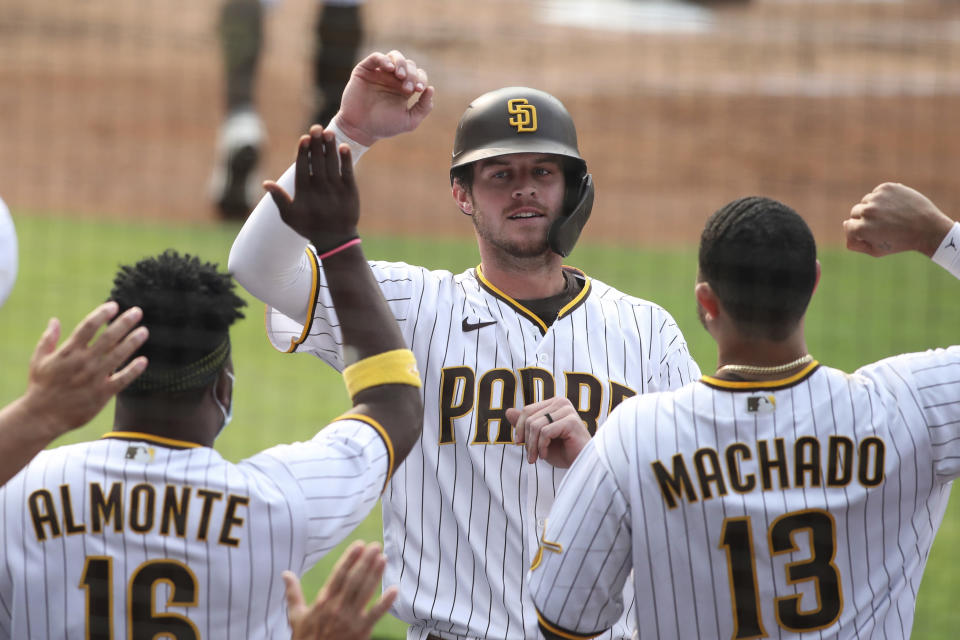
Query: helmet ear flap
[565, 230]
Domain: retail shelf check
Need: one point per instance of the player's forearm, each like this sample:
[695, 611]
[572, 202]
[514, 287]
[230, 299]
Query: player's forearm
[398, 408]
[366, 321]
[369, 329]
[577, 533]
[24, 432]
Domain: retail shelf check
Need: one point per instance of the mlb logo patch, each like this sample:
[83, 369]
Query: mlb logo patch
[761, 404]
[139, 453]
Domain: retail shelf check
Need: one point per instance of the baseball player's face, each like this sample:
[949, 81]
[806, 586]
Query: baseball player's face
[513, 201]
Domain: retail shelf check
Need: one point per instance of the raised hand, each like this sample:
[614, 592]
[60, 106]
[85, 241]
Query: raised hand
[340, 610]
[71, 384]
[376, 102]
[68, 385]
[326, 207]
[893, 218]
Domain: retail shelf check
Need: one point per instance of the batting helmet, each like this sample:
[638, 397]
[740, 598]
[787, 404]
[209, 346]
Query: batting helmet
[524, 120]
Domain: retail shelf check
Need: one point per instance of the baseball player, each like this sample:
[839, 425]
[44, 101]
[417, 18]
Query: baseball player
[337, 34]
[777, 497]
[518, 338]
[148, 532]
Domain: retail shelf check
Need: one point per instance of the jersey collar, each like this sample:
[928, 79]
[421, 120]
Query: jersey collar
[730, 385]
[566, 310]
[146, 437]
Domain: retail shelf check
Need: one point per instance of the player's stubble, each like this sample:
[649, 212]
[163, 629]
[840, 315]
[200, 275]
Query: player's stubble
[530, 244]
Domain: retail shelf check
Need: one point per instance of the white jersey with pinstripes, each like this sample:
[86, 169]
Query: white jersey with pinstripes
[464, 511]
[134, 536]
[804, 508]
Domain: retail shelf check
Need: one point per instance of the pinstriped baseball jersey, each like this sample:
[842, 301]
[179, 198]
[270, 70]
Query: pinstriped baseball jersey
[804, 508]
[133, 535]
[463, 513]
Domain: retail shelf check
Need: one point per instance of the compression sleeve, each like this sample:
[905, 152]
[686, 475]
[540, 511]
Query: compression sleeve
[948, 254]
[267, 257]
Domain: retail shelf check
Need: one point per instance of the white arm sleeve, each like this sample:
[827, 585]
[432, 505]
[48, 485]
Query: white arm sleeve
[948, 254]
[267, 257]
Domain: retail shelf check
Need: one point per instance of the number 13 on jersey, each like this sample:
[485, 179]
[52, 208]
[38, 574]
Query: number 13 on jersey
[786, 534]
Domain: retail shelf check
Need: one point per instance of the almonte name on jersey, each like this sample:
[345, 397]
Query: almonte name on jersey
[140, 507]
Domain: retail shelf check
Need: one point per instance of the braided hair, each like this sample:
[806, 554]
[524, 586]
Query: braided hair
[759, 257]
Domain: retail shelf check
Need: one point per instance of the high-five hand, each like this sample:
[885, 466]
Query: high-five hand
[376, 100]
[326, 207]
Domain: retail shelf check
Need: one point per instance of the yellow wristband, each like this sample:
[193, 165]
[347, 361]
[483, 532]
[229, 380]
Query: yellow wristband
[390, 367]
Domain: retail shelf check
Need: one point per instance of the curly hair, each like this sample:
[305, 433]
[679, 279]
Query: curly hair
[759, 257]
[188, 306]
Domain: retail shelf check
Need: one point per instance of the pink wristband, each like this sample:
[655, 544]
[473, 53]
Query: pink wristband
[336, 250]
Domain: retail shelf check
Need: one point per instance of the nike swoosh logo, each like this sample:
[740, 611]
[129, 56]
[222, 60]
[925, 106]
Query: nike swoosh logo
[473, 326]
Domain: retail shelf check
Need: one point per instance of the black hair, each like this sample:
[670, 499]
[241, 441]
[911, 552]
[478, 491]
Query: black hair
[759, 257]
[188, 306]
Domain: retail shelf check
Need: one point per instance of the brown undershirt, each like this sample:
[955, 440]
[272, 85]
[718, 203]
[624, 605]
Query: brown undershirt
[547, 308]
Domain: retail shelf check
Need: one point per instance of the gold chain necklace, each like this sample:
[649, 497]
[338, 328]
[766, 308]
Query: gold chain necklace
[752, 370]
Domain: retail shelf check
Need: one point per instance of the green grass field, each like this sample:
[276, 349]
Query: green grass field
[864, 310]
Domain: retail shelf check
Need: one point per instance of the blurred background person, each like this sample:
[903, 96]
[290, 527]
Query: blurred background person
[235, 184]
